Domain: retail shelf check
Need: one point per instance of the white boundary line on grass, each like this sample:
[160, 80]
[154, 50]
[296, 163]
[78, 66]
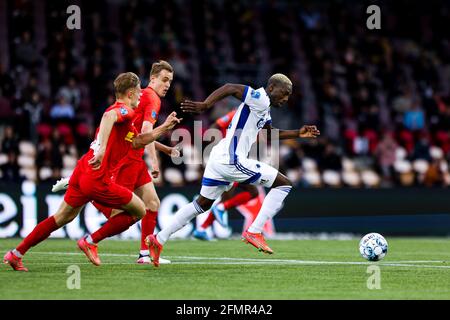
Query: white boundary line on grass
[250, 261]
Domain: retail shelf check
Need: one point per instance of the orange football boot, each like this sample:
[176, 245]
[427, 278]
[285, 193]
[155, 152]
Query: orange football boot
[14, 261]
[90, 250]
[257, 240]
[155, 249]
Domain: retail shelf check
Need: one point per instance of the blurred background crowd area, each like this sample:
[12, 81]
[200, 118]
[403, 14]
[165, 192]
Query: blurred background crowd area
[381, 98]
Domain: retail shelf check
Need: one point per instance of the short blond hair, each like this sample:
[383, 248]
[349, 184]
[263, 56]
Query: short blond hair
[159, 66]
[279, 78]
[124, 82]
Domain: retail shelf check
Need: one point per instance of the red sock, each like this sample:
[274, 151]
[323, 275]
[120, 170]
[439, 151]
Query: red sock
[41, 232]
[148, 224]
[115, 225]
[237, 200]
[103, 209]
[209, 221]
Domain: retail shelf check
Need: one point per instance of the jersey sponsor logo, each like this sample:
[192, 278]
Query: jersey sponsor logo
[154, 114]
[129, 137]
[123, 111]
[255, 94]
[260, 124]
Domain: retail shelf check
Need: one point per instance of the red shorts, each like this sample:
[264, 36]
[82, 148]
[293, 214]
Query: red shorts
[131, 174]
[83, 188]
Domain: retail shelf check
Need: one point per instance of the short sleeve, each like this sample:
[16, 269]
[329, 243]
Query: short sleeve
[257, 100]
[151, 104]
[124, 113]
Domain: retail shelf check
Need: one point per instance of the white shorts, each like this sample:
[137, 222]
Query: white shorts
[219, 177]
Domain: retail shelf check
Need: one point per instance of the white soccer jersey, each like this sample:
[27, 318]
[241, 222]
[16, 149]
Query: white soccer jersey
[252, 115]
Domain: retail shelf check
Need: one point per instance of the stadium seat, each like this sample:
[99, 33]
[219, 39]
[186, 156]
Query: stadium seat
[45, 173]
[3, 158]
[26, 161]
[331, 178]
[351, 178]
[192, 174]
[370, 178]
[309, 164]
[28, 173]
[400, 153]
[436, 152]
[420, 166]
[27, 148]
[69, 161]
[173, 176]
[66, 172]
[312, 178]
[44, 130]
[348, 164]
[294, 175]
[444, 166]
[402, 166]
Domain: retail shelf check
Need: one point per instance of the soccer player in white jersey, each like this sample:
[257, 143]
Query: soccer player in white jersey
[229, 160]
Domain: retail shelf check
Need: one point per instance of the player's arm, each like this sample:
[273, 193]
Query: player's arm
[304, 132]
[147, 127]
[229, 89]
[145, 138]
[170, 151]
[106, 125]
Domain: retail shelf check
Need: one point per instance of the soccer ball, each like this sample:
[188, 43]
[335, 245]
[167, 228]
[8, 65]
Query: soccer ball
[373, 247]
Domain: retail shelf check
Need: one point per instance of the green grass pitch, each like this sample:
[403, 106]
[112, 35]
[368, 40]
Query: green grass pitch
[414, 268]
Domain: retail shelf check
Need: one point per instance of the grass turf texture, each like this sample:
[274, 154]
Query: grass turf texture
[414, 268]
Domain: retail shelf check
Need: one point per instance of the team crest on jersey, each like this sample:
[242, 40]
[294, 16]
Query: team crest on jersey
[255, 94]
[154, 114]
[123, 111]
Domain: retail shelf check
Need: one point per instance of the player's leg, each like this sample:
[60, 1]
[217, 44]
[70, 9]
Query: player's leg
[128, 208]
[200, 232]
[120, 220]
[234, 200]
[151, 200]
[183, 216]
[272, 204]
[262, 174]
[148, 194]
[42, 231]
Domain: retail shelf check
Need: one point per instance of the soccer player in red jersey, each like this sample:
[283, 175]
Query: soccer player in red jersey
[132, 172]
[91, 179]
[161, 76]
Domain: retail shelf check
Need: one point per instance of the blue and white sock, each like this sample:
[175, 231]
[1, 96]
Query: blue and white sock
[181, 218]
[270, 207]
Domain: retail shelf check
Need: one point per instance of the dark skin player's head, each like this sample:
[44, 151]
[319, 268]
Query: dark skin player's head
[279, 88]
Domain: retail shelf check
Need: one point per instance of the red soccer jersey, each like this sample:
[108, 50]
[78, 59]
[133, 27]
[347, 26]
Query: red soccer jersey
[119, 143]
[224, 121]
[148, 110]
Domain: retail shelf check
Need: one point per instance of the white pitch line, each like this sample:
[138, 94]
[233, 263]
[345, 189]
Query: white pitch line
[250, 261]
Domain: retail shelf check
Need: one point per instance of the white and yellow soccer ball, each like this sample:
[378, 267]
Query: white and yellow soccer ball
[373, 247]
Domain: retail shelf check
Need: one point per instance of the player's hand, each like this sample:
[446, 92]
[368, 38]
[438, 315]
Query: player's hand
[172, 120]
[175, 152]
[155, 170]
[196, 107]
[308, 132]
[96, 161]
